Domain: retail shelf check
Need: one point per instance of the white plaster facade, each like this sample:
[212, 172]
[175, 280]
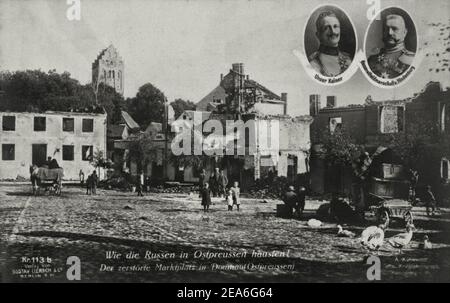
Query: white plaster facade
[23, 137]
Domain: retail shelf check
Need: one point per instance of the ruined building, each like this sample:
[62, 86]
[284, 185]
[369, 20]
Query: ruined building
[237, 93]
[282, 151]
[423, 120]
[108, 69]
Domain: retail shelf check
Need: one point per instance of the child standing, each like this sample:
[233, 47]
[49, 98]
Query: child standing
[206, 197]
[236, 192]
[229, 199]
[140, 185]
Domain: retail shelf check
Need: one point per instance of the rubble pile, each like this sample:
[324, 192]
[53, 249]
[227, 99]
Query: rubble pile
[173, 189]
[119, 182]
[126, 183]
[269, 187]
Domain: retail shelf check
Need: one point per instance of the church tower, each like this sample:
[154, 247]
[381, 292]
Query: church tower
[108, 69]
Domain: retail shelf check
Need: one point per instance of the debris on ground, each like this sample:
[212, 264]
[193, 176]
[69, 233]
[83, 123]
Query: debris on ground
[271, 188]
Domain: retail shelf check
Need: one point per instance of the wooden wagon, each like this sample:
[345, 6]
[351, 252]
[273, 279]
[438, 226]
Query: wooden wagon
[48, 179]
[389, 200]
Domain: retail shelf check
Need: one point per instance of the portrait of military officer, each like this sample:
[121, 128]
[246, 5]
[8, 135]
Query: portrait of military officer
[393, 59]
[329, 60]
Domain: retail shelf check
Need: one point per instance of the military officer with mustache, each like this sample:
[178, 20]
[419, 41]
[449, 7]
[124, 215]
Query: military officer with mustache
[328, 60]
[394, 59]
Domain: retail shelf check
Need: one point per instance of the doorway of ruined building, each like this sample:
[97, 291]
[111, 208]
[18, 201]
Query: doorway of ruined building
[39, 154]
[234, 169]
[157, 172]
[179, 173]
[292, 169]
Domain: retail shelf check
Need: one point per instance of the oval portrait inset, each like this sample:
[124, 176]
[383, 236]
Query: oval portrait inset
[390, 46]
[330, 44]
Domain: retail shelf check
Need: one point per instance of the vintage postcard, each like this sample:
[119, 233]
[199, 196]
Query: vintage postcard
[224, 141]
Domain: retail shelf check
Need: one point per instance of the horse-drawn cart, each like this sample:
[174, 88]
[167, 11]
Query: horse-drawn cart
[48, 179]
[389, 200]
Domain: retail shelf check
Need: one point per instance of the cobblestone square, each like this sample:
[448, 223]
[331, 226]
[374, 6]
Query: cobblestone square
[176, 242]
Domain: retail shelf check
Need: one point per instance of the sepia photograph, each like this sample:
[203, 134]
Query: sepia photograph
[391, 43]
[330, 41]
[224, 141]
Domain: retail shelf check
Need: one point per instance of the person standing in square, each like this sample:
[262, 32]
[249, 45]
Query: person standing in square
[206, 198]
[229, 199]
[140, 184]
[94, 182]
[201, 181]
[236, 191]
[89, 185]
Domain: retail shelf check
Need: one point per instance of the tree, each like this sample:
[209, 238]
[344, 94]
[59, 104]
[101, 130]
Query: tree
[416, 142]
[142, 150]
[340, 148]
[147, 106]
[34, 90]
[180, 105]
[99, 160]
[340, 152]
[112, 101]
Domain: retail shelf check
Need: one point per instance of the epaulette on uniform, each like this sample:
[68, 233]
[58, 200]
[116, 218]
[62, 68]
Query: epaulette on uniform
[407, 57]
[346, 56]
[313, 56]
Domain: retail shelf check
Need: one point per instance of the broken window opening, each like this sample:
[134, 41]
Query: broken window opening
[391, 119]
[445, 169]
[335, 123]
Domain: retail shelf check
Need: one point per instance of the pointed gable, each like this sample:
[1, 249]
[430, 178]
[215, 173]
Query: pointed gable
[213, 97]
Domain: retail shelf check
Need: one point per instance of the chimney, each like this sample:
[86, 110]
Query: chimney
[314, 105]
[221, 77]
[331, 101]
[238, 68]
[284, 98]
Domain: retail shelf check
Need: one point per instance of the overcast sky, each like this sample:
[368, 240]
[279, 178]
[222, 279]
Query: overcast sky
[182, 46]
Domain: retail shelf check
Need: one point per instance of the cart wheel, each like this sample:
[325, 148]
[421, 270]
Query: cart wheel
[383, 216]
[408, 217]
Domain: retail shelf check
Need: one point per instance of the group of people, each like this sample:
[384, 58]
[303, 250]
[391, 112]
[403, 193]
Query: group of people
[91, 182]
[295, 199]
[217, 182]
[217, 185]
[51, 163]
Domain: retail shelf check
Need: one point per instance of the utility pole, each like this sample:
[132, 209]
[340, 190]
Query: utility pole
[166, 126]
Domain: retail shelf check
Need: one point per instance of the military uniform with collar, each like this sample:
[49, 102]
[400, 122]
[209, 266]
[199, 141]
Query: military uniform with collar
[390, 65]
[329, 61]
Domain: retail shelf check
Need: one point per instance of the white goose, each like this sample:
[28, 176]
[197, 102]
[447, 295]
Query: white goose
[344, 233]
[402, 240]
[427, 243]
[314, 223]
[373, 236]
